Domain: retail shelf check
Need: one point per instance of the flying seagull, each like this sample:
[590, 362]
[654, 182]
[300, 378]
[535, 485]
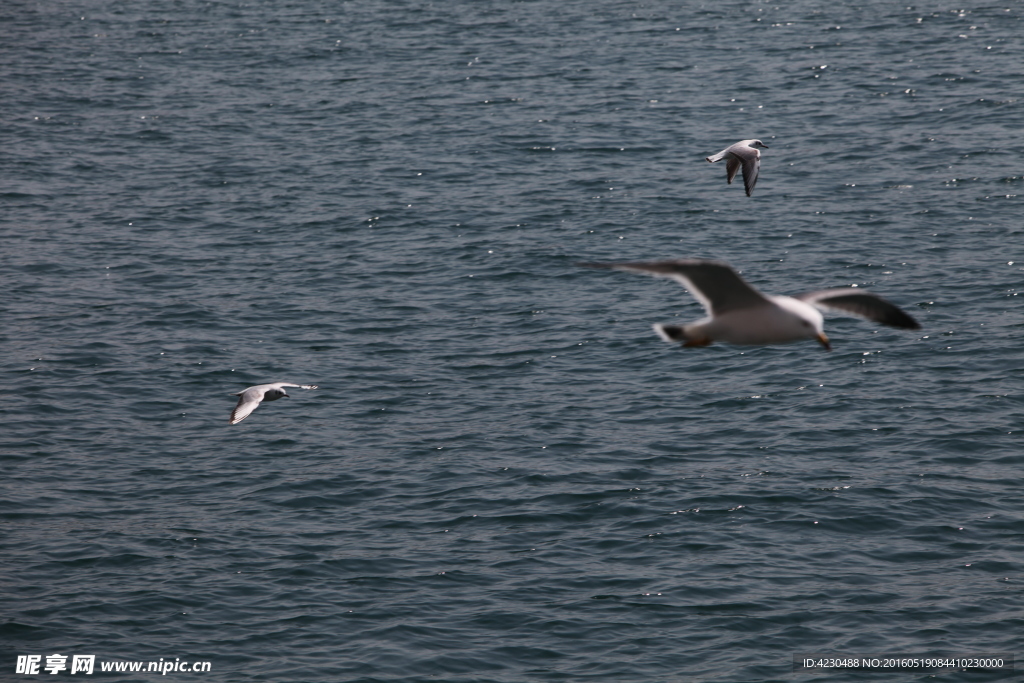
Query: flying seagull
[744, 153]
[739, 314]
[250, 398]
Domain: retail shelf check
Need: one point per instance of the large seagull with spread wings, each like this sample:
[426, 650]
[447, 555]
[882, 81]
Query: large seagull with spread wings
[739, 314]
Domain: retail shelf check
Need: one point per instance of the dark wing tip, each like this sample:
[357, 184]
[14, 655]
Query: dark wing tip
[892, 315]
[866, 305]
[900, 318]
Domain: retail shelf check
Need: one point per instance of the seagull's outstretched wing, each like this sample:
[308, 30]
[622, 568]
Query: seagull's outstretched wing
[751, 160]
[248, 401]
[864, 304]
[732, 165]
[297, 386]
[715, 284]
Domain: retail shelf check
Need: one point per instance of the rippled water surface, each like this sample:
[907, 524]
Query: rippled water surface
[505, 475]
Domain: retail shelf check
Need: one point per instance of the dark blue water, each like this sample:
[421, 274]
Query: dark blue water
[505, 475]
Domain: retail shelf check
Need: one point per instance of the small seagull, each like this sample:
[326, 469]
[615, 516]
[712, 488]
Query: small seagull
[250, 398]
[744, 153]
[739, 314]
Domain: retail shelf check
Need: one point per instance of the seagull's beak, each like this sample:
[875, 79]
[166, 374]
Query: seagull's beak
[824, 340]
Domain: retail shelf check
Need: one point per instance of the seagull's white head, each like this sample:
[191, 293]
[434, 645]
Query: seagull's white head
[758, 143]
[808, 320]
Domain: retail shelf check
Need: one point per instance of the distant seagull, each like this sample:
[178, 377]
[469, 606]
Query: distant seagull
[739, 314]
[250, 398]
[744, 153]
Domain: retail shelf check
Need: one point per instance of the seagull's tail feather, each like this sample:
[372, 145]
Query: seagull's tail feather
[678, 333]
[671, 333]
[715, 157]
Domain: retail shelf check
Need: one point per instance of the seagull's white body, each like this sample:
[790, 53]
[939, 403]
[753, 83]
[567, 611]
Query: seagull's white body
[744, 154]
[249, 399]
[739, 314]
[783, 319]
